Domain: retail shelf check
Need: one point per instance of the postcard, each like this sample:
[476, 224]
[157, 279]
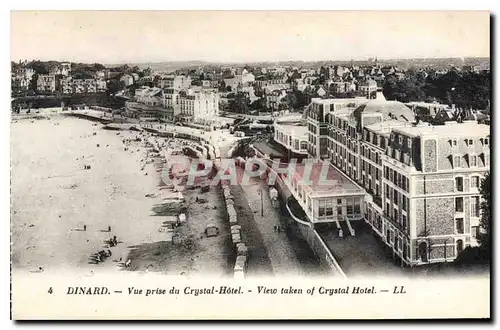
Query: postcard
[250, 165]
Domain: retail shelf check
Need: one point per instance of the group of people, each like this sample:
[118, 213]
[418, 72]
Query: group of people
[113, 241]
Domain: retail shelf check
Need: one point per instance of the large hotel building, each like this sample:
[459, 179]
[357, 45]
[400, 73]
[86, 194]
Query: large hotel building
[420, 183]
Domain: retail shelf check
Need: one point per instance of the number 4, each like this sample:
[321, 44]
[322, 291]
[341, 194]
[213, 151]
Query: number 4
[50, 290]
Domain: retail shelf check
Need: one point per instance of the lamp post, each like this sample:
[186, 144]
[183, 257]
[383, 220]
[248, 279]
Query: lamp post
[261, 202]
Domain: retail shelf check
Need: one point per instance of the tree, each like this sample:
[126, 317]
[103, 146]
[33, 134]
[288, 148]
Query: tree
[33, 82]
[485, 235]
[114, 86]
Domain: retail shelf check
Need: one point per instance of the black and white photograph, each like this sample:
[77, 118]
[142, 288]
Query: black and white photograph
[331, 146]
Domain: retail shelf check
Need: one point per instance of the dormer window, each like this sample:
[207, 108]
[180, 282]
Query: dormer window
[456, 161]
[400, 139]
[486, 141]
[408, 141]
[453, 143]
[470, 142]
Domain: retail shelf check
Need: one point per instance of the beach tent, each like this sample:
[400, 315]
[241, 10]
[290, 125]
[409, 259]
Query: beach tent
[211, 230]
[242, 250]
[236, 238]
[241, 263]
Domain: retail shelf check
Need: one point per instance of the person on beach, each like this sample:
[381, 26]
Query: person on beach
[114, 240]
[109, 228]
[84, 227]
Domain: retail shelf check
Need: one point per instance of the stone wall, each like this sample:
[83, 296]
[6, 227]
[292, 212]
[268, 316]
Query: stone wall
[430, 156]
[439, 217]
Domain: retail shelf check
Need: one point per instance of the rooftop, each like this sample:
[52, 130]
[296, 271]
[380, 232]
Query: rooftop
[388, 109]
[324, 179]
[387, 126]
[450, 129]
[296, 130]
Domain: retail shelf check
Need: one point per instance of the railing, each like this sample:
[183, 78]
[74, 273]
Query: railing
[329, 256]
[296, 218]
[348, 223]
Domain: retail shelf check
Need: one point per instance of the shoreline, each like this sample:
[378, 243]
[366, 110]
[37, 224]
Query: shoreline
[113, 191]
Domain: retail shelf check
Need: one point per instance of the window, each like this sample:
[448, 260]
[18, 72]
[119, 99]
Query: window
[404, 221]
[339, 201]
[473, 160]
[474, 182]
[456, 161]
[486, 142]
[470, 142]
[357, 208]
[474, 230]
[454, 143]
[400, 139]
[459, 184]
[474, 206]
[395, 215]
[339, 211]
[321, 209]
[459, 225]
[459, 204]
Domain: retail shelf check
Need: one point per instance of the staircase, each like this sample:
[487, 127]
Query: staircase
[349, 226]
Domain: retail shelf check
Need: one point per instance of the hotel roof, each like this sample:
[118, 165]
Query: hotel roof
[296, 130]
[385, 127]
[325, 180]
[450, 129]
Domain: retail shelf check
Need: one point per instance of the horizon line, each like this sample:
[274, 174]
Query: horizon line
[257, 61]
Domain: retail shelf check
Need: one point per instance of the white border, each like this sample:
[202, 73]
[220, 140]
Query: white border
[200, 4]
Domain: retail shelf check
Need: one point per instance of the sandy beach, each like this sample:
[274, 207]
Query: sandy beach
[53, 197]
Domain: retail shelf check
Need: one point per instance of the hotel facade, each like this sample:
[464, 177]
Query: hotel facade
[420, 182]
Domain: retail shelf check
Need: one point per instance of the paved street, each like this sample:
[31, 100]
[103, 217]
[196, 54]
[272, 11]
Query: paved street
[280, 251]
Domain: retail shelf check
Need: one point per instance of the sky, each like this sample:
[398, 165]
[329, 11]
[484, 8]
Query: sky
[246, 36]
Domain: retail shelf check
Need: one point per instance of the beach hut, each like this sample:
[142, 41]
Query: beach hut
[235, 227]
[241, 264]
[211, 230]
[227, 194]
[242, 250]
[232, 215]
[273, 193]
[182, 218]
[176, 238]
[236, 238]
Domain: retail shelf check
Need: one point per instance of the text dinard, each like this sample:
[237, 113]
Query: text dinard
[225, 290]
